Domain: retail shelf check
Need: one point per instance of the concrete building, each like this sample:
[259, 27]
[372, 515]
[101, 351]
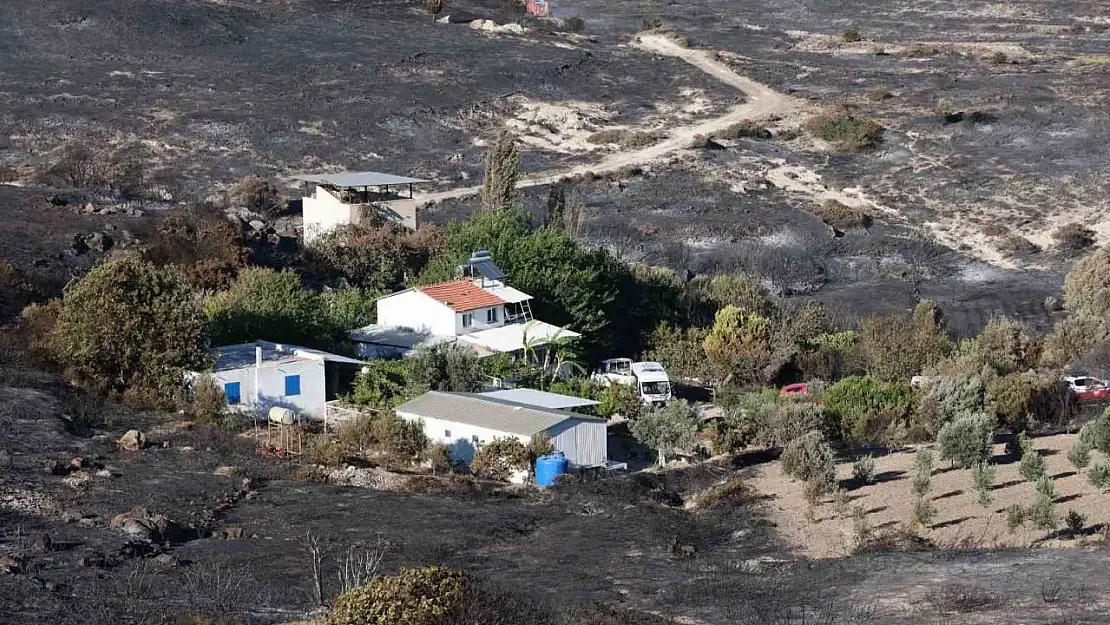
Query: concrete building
[260, 375]
[478, 310]
[333, 200]
[464, 422]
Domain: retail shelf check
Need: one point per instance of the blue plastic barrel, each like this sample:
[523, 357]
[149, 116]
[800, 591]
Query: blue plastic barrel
[550, 467]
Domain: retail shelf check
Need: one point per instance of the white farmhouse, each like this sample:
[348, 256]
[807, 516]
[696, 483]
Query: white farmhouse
[464, 422]
[478, 310]
[260, 375]
[333, 200]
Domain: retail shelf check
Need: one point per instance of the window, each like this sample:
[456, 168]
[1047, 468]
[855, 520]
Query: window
[447, 434]
[491, 315]
[231, 391]
[468, 320]
[292, 385]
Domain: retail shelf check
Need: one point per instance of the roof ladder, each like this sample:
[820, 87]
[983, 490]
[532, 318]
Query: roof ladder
[526, 310]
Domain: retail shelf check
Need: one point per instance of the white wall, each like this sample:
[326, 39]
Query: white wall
[460, 441]
[323, 212]
[479, 320]
[413, 309]
[311, 402]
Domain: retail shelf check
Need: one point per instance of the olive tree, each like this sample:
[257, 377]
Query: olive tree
[668, 429]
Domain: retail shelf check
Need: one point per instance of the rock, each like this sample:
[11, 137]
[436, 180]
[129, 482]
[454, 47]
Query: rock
[5, 458]
[166, 559]
[44, 543]
[233, 532]
[103, 473]
[140, 524]
[228, 471]
[53, 467]
[257, 225]
[246, 484]
[133, 440]
[77, 463]
[11, 564]
[99, 242]
[79, 247]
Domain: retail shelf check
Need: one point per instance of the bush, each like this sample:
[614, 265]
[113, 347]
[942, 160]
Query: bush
[924, 512]
[1042, 512]
[668, 429]
[1080, 453]
[1024, 400]
[620, 399]
[325, 451]
[264, 304]
[746, 129]
[966, 441]
[257, 195]
[1074, 237]
[627, 139]
[942, 398]
[375, 255]
[1032, 465]
[740, 343]
[1075, 522]
[851, 34]
[385, 434]
[1087, 285]
[1007, 346]
[878, 94]
[1016, 515]
[983, 477]
[899, 346]
[1073, 336]
[923, 477]
[1046, 488]
[447, 367]
[863, 470]
[132, 329]
[499, 458]
[539, 445]
[810, 459]
[1099, 476]
[846, 131]
[208, 405]
[840, 215]
[868, 410]
[422, 596]
[1096, 434]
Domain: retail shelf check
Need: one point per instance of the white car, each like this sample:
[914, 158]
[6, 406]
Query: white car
[1087, 387]
[649, 378]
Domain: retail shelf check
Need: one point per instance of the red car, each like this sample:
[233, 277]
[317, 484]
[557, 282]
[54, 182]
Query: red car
[790, 390]
[1087, 388]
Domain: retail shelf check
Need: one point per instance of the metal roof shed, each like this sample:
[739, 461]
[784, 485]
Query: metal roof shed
[539, 399]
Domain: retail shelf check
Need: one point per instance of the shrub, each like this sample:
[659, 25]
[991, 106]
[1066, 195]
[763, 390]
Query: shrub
[999, 58]
[902, 345]
[540, 445]
[846, 131]
[840, 215]
[878, 94]
[923, 477]
[1007, 346]
[868, 410]
[983, 477]
[438, 456]
[499, 458]
[1032, 465]
[1087, 285]
[620, 399]
[863, 470]
[1046, 488]
[1096, 434]
[810, 459]
[627, 139]
[966, 441]
[851, 34]
[1016, 515]
[414, 596]
[746, 129]
[268, 305]
[680, 351]
[1074, 237]
[325, 451]
[499, 186]
[1042, 512]
[257, 195]
[942, 398]
[208, 405]
[447, 367]
[668, 429]
[386, 434]
[923, 512]
[1080, 454]
[740, 342]
[375, 255]
[1073, 337]
[1075, 522]
[1022, 400]
[131, 328]
[1099, 476]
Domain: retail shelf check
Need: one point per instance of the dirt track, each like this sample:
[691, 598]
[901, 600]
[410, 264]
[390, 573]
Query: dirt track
[762, 102]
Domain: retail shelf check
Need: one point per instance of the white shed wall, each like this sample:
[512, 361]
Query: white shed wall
[585, 443]
[323, 212]
[311, 402]
[460, 442]
[413, 309]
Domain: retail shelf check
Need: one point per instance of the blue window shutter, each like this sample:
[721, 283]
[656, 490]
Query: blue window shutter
[231, 391]
[292, 385]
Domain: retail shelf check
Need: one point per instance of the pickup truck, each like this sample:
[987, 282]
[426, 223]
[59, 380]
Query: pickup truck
[1087, 388]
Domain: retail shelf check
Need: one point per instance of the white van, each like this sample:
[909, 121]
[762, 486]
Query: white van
[649, 378]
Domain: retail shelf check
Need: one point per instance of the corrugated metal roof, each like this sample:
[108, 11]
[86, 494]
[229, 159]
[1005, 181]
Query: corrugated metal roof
[351, 179]
[539, 399]
[461, 295]
[487, 412]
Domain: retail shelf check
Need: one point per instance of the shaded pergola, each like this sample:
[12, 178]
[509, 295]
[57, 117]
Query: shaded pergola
[362, 187]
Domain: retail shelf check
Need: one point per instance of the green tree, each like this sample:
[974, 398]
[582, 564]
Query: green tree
[897, 347]
[264, 304]
[966, 441]
[668, 429]
[379, 255]
[869, 410]
[499, 186]
[983, 476]
[1073, 337]
[620, 399]
[1022, 400]
[348, 309]
[130, 328]
[385, 384]
[499, 458]
[810, 459]
[1008, 346]
[942, 398]
[447, 367]
[740, 343]
[1087, 285]
[1032, 465]
[681, 351]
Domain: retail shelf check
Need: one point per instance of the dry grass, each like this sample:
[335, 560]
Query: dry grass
[846, 131]
[840, 215]
[626, 139]
[960, 521]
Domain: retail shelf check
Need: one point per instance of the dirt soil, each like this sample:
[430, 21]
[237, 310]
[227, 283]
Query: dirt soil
[960, 520]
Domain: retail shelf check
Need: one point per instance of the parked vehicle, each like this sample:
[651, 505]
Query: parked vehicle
[799, 389]
[649, 378]
[1088, 388]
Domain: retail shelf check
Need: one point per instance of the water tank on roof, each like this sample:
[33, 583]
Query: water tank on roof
[550, 467]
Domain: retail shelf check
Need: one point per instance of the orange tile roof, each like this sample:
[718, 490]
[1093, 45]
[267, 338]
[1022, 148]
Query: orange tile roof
[461, 295]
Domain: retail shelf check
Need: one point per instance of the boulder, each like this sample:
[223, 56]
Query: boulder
[140, 524]
[257, 225]
[133, 440]
[53, 467]
[228, 471]
[232, 533]
[11, 564]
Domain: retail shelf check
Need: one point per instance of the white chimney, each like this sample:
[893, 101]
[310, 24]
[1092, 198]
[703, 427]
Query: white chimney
[258, 355]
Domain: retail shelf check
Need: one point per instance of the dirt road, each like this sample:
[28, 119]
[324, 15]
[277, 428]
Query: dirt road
[762, 102]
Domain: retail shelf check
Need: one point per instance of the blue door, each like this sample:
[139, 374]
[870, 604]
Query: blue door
[292, 385]
[231, 391]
